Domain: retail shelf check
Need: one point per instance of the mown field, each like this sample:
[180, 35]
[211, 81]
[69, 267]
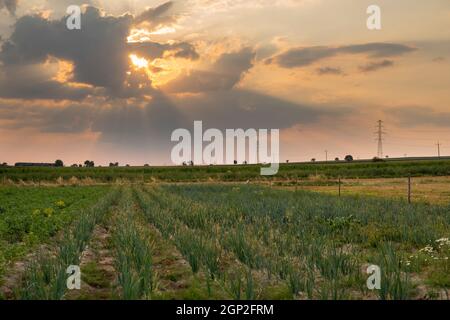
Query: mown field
[292, 172]
[194, 241]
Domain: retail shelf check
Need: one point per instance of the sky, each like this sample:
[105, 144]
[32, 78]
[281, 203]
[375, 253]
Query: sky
[115, 90]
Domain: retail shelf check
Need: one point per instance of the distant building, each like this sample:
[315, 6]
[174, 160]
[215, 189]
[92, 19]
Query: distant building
[32, 164]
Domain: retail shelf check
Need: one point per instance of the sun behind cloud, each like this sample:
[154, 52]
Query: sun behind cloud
[138, 62]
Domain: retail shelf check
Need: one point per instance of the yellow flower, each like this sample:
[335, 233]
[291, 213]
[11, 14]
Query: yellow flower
[36, 212]
[60, 204]
[48, 212]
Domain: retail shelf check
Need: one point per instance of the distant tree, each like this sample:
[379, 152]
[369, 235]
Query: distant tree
[235, 161]
[387, 157]
[59, 163]
[191, 163]
[287, 161]
[89, 164]
[80, 166]
[111, 164]
[184, 163]
[127, 165]
[245, 162]
[376, 159]
[313, 160]
[336, 159]
[74, 165]
[146, 165]
[349, 158]
[4, 164]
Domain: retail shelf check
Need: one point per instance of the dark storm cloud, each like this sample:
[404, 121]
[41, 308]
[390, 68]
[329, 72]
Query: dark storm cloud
[304, 56]
[224, 74]
[38, 85]
[156, 16]
[411, 116]
[131, 126]
[378, 50]
[246, 109]
[137, 126]
[10, 5]
[72, 118]
[42, 89]
[153, 50]
[99, 51]
[377, 65]
[328, 71]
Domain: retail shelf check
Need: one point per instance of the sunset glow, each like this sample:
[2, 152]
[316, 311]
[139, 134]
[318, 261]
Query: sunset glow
[139, 35]
[138, 63]
[316, 72]
[164, 30]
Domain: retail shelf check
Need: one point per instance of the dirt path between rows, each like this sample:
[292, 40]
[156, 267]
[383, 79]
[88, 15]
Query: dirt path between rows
[98, 275]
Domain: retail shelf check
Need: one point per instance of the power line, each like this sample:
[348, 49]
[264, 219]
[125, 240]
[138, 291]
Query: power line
[439, 149]
[431, 131]
[397, 137]
[380, 134]
[410, 145]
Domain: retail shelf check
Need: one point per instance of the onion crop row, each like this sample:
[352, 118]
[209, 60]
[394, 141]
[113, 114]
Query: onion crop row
[45, 277]
[133, 252]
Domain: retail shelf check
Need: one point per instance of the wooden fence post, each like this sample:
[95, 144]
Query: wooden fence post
[409, 189]
[339, 186]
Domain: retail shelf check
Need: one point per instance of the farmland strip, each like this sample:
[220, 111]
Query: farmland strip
[45, 277]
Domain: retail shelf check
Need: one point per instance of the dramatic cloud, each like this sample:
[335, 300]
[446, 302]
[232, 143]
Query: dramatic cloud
[116, 89]
[153, 50]
[12, 86]
[135, 126]
[99, 51]
[329, 71]
[10, 5]
[224, 74]
[157, 16]
[377, 65]
[246, 109]
[305, 56]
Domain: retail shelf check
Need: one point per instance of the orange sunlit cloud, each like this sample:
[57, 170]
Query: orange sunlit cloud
[138, 63]
[175, 57]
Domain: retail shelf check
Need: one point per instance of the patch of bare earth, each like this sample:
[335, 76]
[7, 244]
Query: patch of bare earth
[98, 275]
[173, 271]
[12, 280]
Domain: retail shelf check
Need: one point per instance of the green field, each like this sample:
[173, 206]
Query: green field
[32, 216]
[213, 241]
[388, 169]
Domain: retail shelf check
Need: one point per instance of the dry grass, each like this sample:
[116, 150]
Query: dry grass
[434, 190]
